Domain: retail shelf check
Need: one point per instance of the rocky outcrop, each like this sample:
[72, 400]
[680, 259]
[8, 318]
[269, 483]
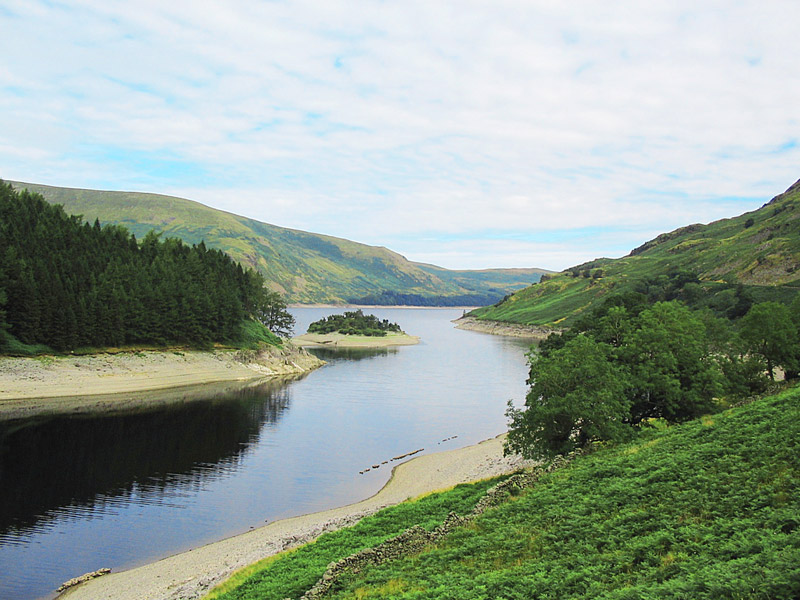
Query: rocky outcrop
[85, 577]
[120, 381]
[286, 359]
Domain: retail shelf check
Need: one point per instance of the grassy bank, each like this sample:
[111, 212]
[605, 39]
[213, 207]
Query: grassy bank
[252, 335]
[705, 510]
[708, 509]
[290, 574]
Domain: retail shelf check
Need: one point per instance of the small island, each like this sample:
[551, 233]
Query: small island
[354, 329]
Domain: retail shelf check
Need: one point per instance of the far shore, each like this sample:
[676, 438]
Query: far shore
[192, 574]
[338, 340]
[50, 385]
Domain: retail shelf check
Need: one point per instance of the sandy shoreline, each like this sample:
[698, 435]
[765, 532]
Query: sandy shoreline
[337, 340]
[191, 574]
[47, 385]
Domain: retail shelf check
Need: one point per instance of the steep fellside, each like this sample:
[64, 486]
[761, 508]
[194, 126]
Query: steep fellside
[722, 265]
[306, 267]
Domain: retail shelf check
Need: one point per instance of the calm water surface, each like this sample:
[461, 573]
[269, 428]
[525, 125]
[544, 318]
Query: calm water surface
[77, 494]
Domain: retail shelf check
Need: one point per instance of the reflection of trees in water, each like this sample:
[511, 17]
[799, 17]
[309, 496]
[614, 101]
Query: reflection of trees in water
[333, 354]
[80, 462]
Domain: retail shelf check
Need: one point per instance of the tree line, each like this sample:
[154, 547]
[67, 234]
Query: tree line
[67, 284]
[632, 362]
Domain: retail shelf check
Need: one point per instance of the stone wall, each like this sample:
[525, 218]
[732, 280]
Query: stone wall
[414, 540]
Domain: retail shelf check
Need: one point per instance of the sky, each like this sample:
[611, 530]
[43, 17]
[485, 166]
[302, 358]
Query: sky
[468, 134]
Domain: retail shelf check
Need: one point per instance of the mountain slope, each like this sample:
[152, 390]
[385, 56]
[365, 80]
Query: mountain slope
[306, 267]
[722, 265]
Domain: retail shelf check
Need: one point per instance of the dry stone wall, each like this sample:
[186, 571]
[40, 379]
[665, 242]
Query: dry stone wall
[414, 540]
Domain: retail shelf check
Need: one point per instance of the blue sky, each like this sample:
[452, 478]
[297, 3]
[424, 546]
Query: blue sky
[462, 133]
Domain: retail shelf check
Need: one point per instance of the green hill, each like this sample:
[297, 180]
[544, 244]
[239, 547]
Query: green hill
[704, 510]
[707, 510]
[305, 267]
[725, 265]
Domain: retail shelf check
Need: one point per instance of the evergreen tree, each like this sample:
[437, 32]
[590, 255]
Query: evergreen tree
[3, 300]
[65, 283]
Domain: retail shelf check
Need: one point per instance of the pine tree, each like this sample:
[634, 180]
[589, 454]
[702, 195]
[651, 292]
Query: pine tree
[66, 283]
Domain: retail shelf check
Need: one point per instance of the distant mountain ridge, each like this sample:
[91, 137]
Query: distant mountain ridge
[723, 265]
[308, 268]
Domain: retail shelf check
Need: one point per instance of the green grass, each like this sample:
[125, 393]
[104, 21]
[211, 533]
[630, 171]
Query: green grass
[545, 303]
[11, 346]
[759, 250]
[254, 333]
[709, 509]
[291, 573]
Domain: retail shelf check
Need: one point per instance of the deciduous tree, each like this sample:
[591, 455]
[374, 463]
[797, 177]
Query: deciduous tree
[577, 394]
[673, 374]
[271, 311]
[768, 331]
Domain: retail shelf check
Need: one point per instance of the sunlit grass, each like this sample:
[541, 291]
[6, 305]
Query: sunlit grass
[703, 510]
[290, 574]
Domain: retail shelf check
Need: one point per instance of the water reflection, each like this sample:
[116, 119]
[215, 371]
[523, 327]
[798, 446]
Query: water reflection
[117, 491]
[352, 354]
[78, 462]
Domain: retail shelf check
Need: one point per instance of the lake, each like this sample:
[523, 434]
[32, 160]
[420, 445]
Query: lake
[78, 494]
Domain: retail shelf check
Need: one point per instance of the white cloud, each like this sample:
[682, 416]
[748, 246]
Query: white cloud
[378, 121]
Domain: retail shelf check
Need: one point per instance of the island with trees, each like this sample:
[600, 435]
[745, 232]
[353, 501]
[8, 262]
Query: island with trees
[354, 329]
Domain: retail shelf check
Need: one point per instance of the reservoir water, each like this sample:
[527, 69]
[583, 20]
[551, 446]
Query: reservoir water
[78, 494]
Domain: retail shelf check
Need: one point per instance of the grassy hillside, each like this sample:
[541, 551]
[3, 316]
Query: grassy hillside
[290, 574]
[479, 280]
[753, 257]
[306, 267]
[708, 509]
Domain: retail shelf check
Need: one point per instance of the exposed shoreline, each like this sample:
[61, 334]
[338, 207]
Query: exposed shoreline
[502, 328]
[50, 385]
[191, 574]
[338, 340]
